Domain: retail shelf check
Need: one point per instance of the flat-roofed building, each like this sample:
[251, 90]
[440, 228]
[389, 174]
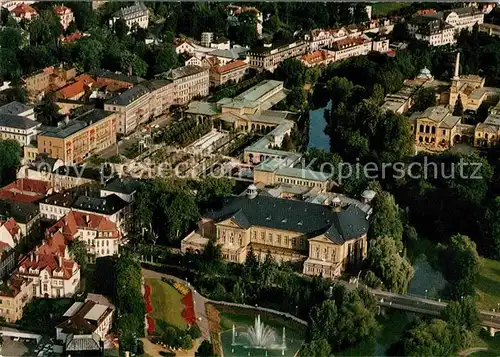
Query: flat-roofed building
[132, 108]
[269, 56]
[77, 139]
[189, 82]
[85, 318]
[16, 108]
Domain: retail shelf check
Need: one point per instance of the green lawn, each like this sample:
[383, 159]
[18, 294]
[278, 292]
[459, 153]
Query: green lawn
[166, 303]
[383, 8]
[488, 284]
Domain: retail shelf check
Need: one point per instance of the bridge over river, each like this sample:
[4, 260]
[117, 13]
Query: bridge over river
[411, 303]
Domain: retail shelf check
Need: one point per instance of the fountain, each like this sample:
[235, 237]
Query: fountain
[260, 336]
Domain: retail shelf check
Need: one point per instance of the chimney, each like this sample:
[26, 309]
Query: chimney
[36, 258]
[60, 261]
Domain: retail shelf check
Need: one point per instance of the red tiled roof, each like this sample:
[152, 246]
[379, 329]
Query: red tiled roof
[73, 221]
[349, 42]
[61, 10]
[73, 37]
[230, 66]
[315, 56]
[74, 89]
[23, 9]
[50, 256]
[25, 190]
[11, 226]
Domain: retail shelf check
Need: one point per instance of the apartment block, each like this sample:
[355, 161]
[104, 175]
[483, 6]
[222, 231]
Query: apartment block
[15, 293]
[137, 14]
[132, 108]
[269, 56]
[188, 82]
[77, 139]
[161, 95]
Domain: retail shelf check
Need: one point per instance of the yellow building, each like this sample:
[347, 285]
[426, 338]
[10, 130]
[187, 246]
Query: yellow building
[325, 239]
[77, 139]
[15, 293]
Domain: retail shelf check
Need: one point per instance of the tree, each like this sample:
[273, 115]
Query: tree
[165, 58]
[287, 143]
[296, 98]
[435, 338]
[424, 98]
[463, 266]
[206, 349]
[78, 251]
[316, 348]
[463, 313]
[344, 321]
[292, 72]
[72, 28]
[491, 228]
[385, 219]
[47, 112]
[45, 29]
[16, 93]
[89, 54]
[378, 94]
[194, 331]
[211, 190]
[10, 160]
[121, 29]
[458, 110]
[132, 64]
[386, 262]
[11, 38]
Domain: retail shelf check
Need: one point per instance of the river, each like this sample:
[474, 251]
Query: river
[317, 124]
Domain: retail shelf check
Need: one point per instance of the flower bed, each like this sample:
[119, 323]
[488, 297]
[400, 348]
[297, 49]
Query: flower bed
[149, 309]
[188, 313]
[147, 294]
[151, 325]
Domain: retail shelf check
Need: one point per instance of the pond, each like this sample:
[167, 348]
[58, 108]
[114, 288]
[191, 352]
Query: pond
[317, 124]
[426, 281]
[257, 336]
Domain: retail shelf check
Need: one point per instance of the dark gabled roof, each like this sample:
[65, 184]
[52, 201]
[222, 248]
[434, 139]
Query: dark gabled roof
[122, 185]
[129, 96]
[17, 121]
[104, 205]
[14, 108]
[307, 218]
[22, 212]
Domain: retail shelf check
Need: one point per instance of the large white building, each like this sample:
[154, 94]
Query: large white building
[441, 28]
[137, 14]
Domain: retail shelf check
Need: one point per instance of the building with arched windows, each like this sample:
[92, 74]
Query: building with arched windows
[325, 239]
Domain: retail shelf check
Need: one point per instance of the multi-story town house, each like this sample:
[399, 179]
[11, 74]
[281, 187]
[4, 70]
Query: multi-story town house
[137, 14]
[54, 274]
[88, 201]
[77, 139]
[132, 108]
[11, 4]
[351, 47]
[49, 78]
[65, 15]
[326, 240]
[16, 108]
[100, 235]
[269, 56]
[233, 71]
[10, 237]
[188, 82]
[15, 293]
[161, 95]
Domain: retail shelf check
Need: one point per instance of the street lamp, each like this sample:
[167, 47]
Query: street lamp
[357, 279]
[426, 293]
